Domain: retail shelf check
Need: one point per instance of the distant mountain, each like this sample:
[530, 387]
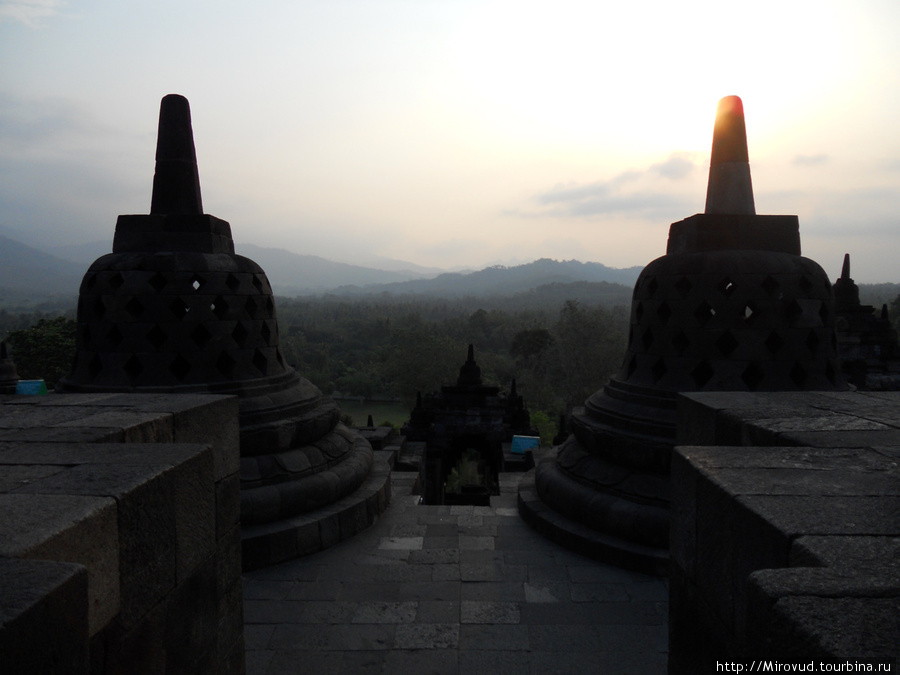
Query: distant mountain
[26, 272]
[295, 274]
[499, 280]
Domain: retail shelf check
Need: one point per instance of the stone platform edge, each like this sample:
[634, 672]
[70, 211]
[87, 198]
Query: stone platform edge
[269, 544]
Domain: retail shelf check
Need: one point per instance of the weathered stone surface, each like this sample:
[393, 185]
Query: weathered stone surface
[43, 617]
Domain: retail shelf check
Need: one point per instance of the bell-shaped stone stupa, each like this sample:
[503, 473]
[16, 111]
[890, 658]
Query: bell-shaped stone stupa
[732, 306]
[172, 309]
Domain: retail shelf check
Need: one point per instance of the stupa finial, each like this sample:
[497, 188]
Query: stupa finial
[845, 268]
[176, 183]
[730, 190]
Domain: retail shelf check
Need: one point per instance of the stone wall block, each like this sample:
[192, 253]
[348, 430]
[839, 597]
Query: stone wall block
[228, 504]
[192, 621]
[43, 617]
[215, 423]
[70, 528]
[195, 512]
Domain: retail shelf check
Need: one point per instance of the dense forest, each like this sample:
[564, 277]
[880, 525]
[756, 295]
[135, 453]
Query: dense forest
[560, 342]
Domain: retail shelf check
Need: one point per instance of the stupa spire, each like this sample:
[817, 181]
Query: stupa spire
[845, 268]
[176, 183]
[730, 190]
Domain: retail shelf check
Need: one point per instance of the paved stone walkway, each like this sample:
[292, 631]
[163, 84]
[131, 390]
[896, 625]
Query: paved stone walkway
[453, 589]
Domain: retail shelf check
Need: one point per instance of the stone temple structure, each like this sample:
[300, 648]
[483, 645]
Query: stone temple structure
[732, 306]
[867, 343]
[464, 425]
[173, 310]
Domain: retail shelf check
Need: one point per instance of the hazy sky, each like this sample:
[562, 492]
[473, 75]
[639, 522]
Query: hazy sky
[452, 132]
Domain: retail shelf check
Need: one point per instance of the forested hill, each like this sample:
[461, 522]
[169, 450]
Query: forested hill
[504, 281]
[27, 273]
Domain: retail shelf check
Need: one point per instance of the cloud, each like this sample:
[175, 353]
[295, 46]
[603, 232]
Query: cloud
[809, 160]
[637, 193]
[30, 12]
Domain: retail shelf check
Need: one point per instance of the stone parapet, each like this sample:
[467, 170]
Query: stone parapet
[785, 538]
[120, 534]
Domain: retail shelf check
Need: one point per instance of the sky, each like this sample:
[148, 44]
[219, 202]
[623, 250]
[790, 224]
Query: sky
[456, 133]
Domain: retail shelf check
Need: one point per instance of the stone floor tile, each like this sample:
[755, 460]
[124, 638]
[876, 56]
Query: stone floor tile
[441, 542]
[492, 662]
[334, 637]
[544, 593]
[362, 662]
[480, 611]
[409, 543]
[264, 589]
[438, 611]
[408, 529]
[257, 661]
[443, 572]
[497, 591]
[493, 637]
[420, 662]
[570, 638]
[471, 543]
[257, 636]
[433, 556]
[427, 636]
[598, 592]
[538, 573]
[327, 611]
[289, 662]
[315, 590]
[385, 612]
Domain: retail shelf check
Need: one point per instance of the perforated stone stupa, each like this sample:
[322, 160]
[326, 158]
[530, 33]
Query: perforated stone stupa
[732, 306]
[173, 310]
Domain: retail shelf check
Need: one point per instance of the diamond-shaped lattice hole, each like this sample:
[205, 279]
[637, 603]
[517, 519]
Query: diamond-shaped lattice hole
[266, 333]
[257, 283]
[157, 337]
[179, 367]
[260, 361]
[704, 312]
[798, 374]
[133, 367]
[197, 281]
[116, 281]
[652, 287]
[702, 374]
[774, 342]
[632, 366]
[752, 376]
[95, 366]
[134, 307]
[725, 287]
[793, 310]
[99, 308]
[157, 282]
[88, 283]
[86, 334]
[823, 314]
[812, 342]
[647, 338]
[805, 284]
[225, 364]
[200, 335]
[770, 285]
[179, 308]
[114, 335]
[663, 313]
[829, 373]
[280, 357]
[750, 312]
[639, 311]
[659, 370]
[270, 305]
[683, 286]
[680, 342]
[250, 307]
[239, 334]
[219, 307]
[726, 343]
[630, 336]
[232, 282]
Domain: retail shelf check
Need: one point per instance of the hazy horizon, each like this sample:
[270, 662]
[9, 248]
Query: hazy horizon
[456, 133]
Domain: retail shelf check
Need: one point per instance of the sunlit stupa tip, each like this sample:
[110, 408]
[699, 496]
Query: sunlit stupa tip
[730, 190]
